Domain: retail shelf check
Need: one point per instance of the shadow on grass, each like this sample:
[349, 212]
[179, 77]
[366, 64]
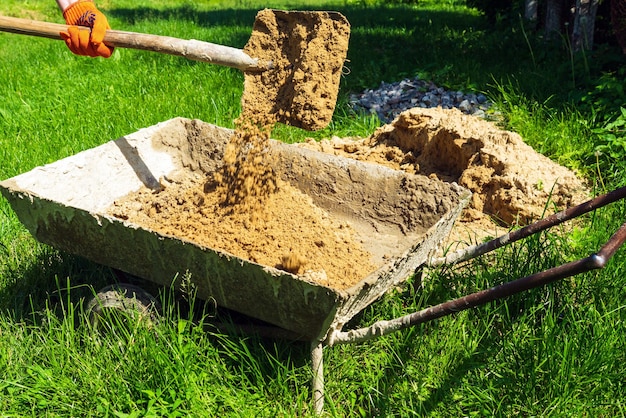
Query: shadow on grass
[52, 278]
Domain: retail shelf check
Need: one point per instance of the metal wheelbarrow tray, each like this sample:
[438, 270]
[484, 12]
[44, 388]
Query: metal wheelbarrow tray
[64, 204]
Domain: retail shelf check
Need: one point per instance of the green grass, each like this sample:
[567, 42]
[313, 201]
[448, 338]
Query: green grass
[553, 351]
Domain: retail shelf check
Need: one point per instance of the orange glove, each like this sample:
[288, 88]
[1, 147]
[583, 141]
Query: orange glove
[81, 42]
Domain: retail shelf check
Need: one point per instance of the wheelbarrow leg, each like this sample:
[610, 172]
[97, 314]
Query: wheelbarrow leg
[317, 381]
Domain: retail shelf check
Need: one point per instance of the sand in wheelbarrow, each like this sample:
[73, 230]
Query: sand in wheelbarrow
[511, 182]
[269, 221]
[244, 208]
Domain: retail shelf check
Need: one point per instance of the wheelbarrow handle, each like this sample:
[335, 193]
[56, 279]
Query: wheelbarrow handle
[592, 262]
[191, 48]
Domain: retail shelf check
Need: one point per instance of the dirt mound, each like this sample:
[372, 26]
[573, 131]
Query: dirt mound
[510, 181]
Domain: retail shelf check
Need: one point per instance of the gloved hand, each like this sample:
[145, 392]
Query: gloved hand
[81, 42]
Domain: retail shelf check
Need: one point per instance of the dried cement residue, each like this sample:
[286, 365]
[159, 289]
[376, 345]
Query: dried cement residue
[510, 181]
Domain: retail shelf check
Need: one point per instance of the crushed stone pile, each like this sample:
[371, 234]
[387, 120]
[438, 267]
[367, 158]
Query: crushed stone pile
[388, 100]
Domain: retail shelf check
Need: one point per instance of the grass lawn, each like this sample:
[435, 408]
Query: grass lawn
[554, 351]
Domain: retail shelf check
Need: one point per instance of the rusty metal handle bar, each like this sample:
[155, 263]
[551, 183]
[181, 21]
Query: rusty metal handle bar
[592, 262]
[550, 221]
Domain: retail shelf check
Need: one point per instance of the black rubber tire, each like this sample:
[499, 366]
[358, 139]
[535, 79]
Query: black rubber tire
[125, 298]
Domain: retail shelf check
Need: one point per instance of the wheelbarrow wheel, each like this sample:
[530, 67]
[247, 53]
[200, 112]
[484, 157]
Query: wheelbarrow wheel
[122, 303]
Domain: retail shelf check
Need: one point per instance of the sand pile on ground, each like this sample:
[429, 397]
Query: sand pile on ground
[510, 181]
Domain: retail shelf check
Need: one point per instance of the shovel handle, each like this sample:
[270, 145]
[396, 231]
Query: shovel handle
[191, 49]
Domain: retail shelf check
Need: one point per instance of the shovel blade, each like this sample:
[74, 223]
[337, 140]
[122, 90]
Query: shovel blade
[307, 51]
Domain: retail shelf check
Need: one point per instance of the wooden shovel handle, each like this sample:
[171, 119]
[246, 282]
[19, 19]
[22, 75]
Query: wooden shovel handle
[191, 49]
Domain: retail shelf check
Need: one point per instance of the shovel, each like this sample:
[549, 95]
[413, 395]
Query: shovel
[292, 63]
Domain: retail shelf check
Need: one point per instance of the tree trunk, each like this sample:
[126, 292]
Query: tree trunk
[584, 24]
[554, 12]
[530, 10]
[618, 22]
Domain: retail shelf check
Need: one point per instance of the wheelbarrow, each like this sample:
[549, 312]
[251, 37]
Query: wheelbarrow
[64, 204]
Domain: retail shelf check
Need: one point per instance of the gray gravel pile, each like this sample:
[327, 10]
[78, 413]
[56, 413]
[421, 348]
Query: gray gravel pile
[391, 99]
